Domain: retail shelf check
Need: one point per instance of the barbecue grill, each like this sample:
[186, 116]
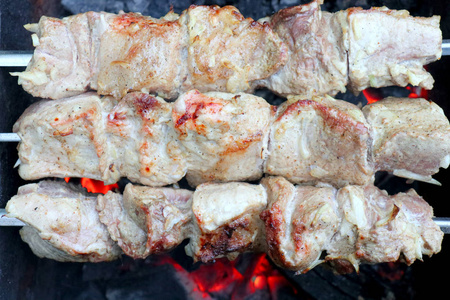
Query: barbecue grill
[23, 276]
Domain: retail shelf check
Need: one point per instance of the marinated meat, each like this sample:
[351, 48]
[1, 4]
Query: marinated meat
[225, 136]
[89, 136]
[299, 50]
[226, 220]
[146, 220]
[320, 140]
[410, 137]
[306, 226]
[62, 223]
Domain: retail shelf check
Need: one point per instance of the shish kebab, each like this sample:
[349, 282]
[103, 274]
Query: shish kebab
[298, 226]
[225, 137]
[299, 50]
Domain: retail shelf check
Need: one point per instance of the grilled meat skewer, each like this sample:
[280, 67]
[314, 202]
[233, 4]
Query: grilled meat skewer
[224, 137]
[298, 226]
[297, 51]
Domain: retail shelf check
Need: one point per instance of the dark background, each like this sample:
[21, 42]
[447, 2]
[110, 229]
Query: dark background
[24, 276]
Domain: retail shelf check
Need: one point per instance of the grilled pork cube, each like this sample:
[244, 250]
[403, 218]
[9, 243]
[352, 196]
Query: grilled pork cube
[308, 225]
[320, 140]
[137, 53]
[225, 136]
[144, 146]
[208, 48]
[226, 52]
[317, 60]
[389, 47]
[226, 220]
[62, 63]
[62, 223]
[86, 136]
[64, 139]
[146, 220]
[376, 228]
[299, 222]
[411, 138]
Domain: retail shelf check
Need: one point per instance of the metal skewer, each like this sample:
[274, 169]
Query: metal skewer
[443, 223]
[22, 58]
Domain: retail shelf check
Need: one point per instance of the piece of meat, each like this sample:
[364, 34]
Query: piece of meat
[299, 222]
[144, 145]
[145, 220]
[225, 136]
[410, 137]
[308, 225]
[317, 61]
[299, 50]
[320, 140]
[62, 223]
[64, 138]
[378, 228]
[98, 138]
[389, 47]
[227, 52]
[61, 65]
[226, 220]
[139, 53]
[207, 48]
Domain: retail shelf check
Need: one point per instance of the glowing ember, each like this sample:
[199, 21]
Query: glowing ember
[95, 186]
[371, 95]
[417, 92]
[225, 279]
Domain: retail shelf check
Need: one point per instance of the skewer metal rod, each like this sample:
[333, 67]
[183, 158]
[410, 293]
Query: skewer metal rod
[443, 223]
[9, 137]
[21, 58]
[5, 221]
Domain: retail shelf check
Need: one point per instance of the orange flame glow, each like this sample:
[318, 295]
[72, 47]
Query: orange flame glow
[95, 186]
[223, 278]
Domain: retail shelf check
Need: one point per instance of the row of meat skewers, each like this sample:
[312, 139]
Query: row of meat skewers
[225, 137]
[299, 50]
[298, 226]
[331, 148]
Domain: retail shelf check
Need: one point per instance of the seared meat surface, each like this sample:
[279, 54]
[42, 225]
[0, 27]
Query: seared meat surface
[317, 60]
[411, 137]
[320, 140]
[87, 136]
[299, 50]
[226, 220]
[62, 223]
[145, 220]
[207, 48]
[298, 226]
[221, 137]
[224, 136]
[307, 225]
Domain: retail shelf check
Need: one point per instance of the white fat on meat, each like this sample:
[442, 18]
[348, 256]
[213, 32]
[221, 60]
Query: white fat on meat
[226, 220]
[224, 136]
[411, 137]
[320, 140]
[146, 220]
[62, 223]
